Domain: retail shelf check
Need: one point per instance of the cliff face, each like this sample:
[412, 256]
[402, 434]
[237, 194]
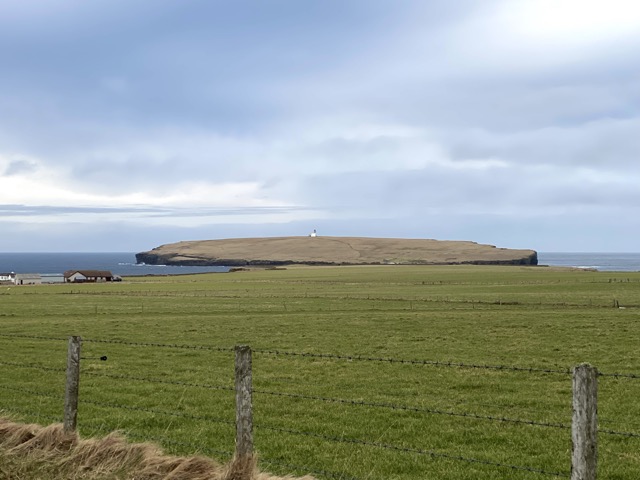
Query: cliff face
[332, 251]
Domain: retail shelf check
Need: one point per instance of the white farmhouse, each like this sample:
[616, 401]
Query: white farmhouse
[8, 277]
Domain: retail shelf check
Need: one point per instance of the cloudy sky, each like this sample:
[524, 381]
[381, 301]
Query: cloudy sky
[126, 125]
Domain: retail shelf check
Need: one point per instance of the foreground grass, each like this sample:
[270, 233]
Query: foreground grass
[514, 316]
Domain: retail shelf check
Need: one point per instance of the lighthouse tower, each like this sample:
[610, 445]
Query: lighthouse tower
[313, 234]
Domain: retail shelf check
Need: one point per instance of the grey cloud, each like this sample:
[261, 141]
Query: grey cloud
[20, 166]
[515, 191]
[17, 210]
[607, 144]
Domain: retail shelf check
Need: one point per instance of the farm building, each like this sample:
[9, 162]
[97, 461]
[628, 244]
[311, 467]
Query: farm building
[28, 279]
[7, 277]
[52, 278]
[79, 276]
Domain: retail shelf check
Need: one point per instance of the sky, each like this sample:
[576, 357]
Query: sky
[127, 125]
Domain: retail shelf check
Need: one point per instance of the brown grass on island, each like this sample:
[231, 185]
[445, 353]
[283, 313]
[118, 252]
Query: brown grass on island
[333, 251]
[36, 452]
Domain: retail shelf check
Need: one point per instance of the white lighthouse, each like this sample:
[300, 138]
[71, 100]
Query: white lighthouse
[314, 233]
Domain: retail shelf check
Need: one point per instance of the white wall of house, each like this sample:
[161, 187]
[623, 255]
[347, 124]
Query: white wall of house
[28, 279]
[77, 277]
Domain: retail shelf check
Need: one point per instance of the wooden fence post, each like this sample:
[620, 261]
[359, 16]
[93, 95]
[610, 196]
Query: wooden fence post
[584, 427]
[72, 385]
[244, 413]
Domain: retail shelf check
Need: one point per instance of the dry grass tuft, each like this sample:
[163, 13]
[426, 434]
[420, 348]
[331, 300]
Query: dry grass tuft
[33, 451]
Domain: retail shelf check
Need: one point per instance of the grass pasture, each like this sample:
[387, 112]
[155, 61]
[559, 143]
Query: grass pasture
[330, 415]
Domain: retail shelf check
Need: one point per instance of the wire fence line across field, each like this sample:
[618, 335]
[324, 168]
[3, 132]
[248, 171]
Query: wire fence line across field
[34, 337]
[419, 451]
[340, 401]
[33, 366]
[412, 409]
[154, 411]
[11, 414]
[313, 434]
[633, 376]
[362, 358]
[160, 381]
[623, 434]
[160, 345]
[390, 360]
[35, 393]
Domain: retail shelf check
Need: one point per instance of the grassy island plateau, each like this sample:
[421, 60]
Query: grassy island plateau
[316, 250]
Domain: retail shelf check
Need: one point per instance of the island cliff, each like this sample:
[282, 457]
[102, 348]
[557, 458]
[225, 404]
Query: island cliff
[332, 251]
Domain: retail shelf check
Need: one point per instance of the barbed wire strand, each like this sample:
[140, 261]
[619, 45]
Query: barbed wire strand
[418, 451]
[436, 363]
[624, 434]
[158, 412]
[22, 411]
[334, 400]
[413, 409]
[32, 392]
[620, 375]
[32, 365]
[33, 337]
[161, 345]
[154, 380]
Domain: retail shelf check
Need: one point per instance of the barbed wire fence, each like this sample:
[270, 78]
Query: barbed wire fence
[584, 429]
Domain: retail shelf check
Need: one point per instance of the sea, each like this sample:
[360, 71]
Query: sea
[124, 264]
[606, 262]
[118, 263]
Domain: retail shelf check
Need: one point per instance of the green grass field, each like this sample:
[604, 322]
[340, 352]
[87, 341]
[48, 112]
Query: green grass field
[533, 317]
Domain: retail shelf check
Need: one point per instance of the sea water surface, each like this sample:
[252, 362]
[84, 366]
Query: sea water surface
[124, 264]
[609, 262]
[118, 263]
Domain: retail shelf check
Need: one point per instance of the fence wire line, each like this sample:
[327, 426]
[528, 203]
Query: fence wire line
[163, 345]
[158, 412]
[34, 337]
[619, 375]
[436, 363]
[153, 380]
[23, 411]
[32, 365]
[624, 434]
[32, 392]
[413, 409]
[418, 451]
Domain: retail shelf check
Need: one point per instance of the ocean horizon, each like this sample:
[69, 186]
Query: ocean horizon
[118, 263]
[124, 263]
